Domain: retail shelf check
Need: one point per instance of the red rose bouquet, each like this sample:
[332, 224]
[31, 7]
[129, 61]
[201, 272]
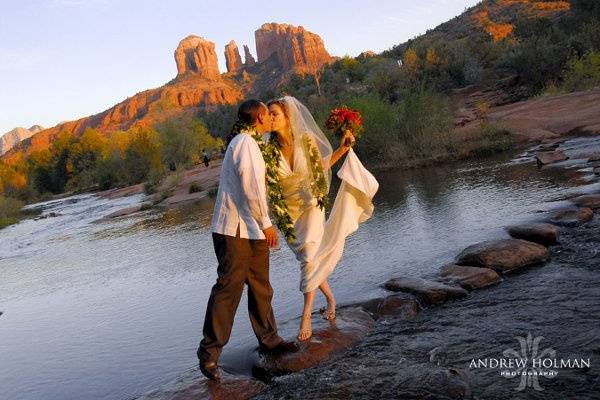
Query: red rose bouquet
[344, 118]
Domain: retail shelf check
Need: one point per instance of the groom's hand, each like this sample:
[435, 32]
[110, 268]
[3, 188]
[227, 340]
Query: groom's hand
[271, 236]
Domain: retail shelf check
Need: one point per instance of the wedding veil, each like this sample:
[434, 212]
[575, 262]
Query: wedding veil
[302, 121]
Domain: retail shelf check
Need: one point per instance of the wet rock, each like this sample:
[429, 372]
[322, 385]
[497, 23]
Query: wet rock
[125, 211]
[572, 218]
[503, 255]
[400, 305]
[591, 201]
[594, 157]
[200, 388]
[49, 215]
[597, 170]
[469, 278]
[542, 233]
[549, 157]
[329, 337]
[428, 292]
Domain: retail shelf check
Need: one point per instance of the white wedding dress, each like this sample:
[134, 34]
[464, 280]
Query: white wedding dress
[320, 243]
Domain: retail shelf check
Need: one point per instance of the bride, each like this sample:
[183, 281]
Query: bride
[304, 174]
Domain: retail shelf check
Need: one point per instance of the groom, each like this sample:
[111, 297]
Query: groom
[242, 234]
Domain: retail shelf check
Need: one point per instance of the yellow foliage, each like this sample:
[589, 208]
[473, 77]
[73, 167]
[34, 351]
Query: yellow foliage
[432, 57]
[410, 59]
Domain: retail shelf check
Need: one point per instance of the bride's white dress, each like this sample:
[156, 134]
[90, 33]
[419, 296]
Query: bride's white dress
[319, 243]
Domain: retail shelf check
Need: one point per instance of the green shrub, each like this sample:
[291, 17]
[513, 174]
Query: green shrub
[582, 73]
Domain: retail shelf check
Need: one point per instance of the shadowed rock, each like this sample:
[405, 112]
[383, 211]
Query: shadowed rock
[591, 201]
[572, 218]
[400, 305]
[329, 337]
[549, 157]
[503, 255]
[594, 157]
[542, 233]
[597, 170]
[469, 278]
[428, 292]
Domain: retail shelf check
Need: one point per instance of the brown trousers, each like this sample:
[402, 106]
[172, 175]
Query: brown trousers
[241, 261]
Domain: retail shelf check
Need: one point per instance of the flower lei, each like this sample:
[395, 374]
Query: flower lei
[271, 152]
[318, 185]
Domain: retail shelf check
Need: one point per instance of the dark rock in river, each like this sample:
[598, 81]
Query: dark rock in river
[572, 217]
[329, 337]
[469, 278]
[589, 200]
[542, 233]
[400, 305]
[597, 170]
[428, 292]
[503, 255]
[549, 157]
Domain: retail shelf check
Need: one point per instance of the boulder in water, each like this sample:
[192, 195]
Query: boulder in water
[329, 337]
[230, 387]
[542, 233]
[503, 255]
[572, 218]
[428, 292]
[550, 157]
[469, 278]
[399, 305]
[591, 201]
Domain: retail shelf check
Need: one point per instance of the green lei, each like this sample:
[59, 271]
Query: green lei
[319, 185]
[271, 152]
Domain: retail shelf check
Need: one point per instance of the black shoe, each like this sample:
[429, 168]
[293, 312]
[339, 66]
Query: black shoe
[283, 347]
[210, 370]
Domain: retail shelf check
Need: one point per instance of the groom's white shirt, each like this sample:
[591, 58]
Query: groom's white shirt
[241, 198]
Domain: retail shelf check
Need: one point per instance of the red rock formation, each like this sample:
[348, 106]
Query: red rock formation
[293, 48]
[196, 55]
[248, 58]
[233, 60]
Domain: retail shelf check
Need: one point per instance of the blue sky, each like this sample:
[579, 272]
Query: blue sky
[65, 59]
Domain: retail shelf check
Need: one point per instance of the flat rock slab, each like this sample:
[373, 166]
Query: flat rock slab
[549, 157]
[591, 201]
[542, 233]
[329, 337]
[200, 388]
[469, 278]
[428, 292]
[125, 211]
[503, 255]
[572, 218]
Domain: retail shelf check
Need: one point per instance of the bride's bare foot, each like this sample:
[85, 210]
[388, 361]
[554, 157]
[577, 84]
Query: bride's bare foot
[329, 312]
[305, 331]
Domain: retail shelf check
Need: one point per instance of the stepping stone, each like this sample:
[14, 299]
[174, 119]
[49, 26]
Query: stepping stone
[542, 233]
[503, 255]
[571, 218]
[549, 157]
[329, 337]
[591, 201]
[469, 278]
[428, 292]
[400, 305]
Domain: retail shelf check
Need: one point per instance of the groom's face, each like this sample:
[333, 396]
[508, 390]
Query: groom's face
[263, 123]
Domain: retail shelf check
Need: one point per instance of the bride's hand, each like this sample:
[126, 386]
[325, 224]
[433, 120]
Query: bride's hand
[347, 140]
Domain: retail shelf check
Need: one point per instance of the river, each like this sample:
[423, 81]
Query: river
[108, 309]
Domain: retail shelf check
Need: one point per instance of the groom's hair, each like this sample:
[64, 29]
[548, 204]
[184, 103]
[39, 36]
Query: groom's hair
[247, 115]
[249, 111]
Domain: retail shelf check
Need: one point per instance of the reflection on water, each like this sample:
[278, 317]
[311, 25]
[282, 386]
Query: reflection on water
[109, 309]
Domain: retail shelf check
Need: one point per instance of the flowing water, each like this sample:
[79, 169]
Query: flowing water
[112, 308]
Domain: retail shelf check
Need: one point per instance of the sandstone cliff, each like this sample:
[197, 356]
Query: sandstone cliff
[196, 55]
[292, 48]
[233, 60]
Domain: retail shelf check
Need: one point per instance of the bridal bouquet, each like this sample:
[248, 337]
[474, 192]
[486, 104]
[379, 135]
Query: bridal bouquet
[344, 118]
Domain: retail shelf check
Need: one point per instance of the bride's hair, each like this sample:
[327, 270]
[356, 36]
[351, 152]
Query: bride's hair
[282, 105]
